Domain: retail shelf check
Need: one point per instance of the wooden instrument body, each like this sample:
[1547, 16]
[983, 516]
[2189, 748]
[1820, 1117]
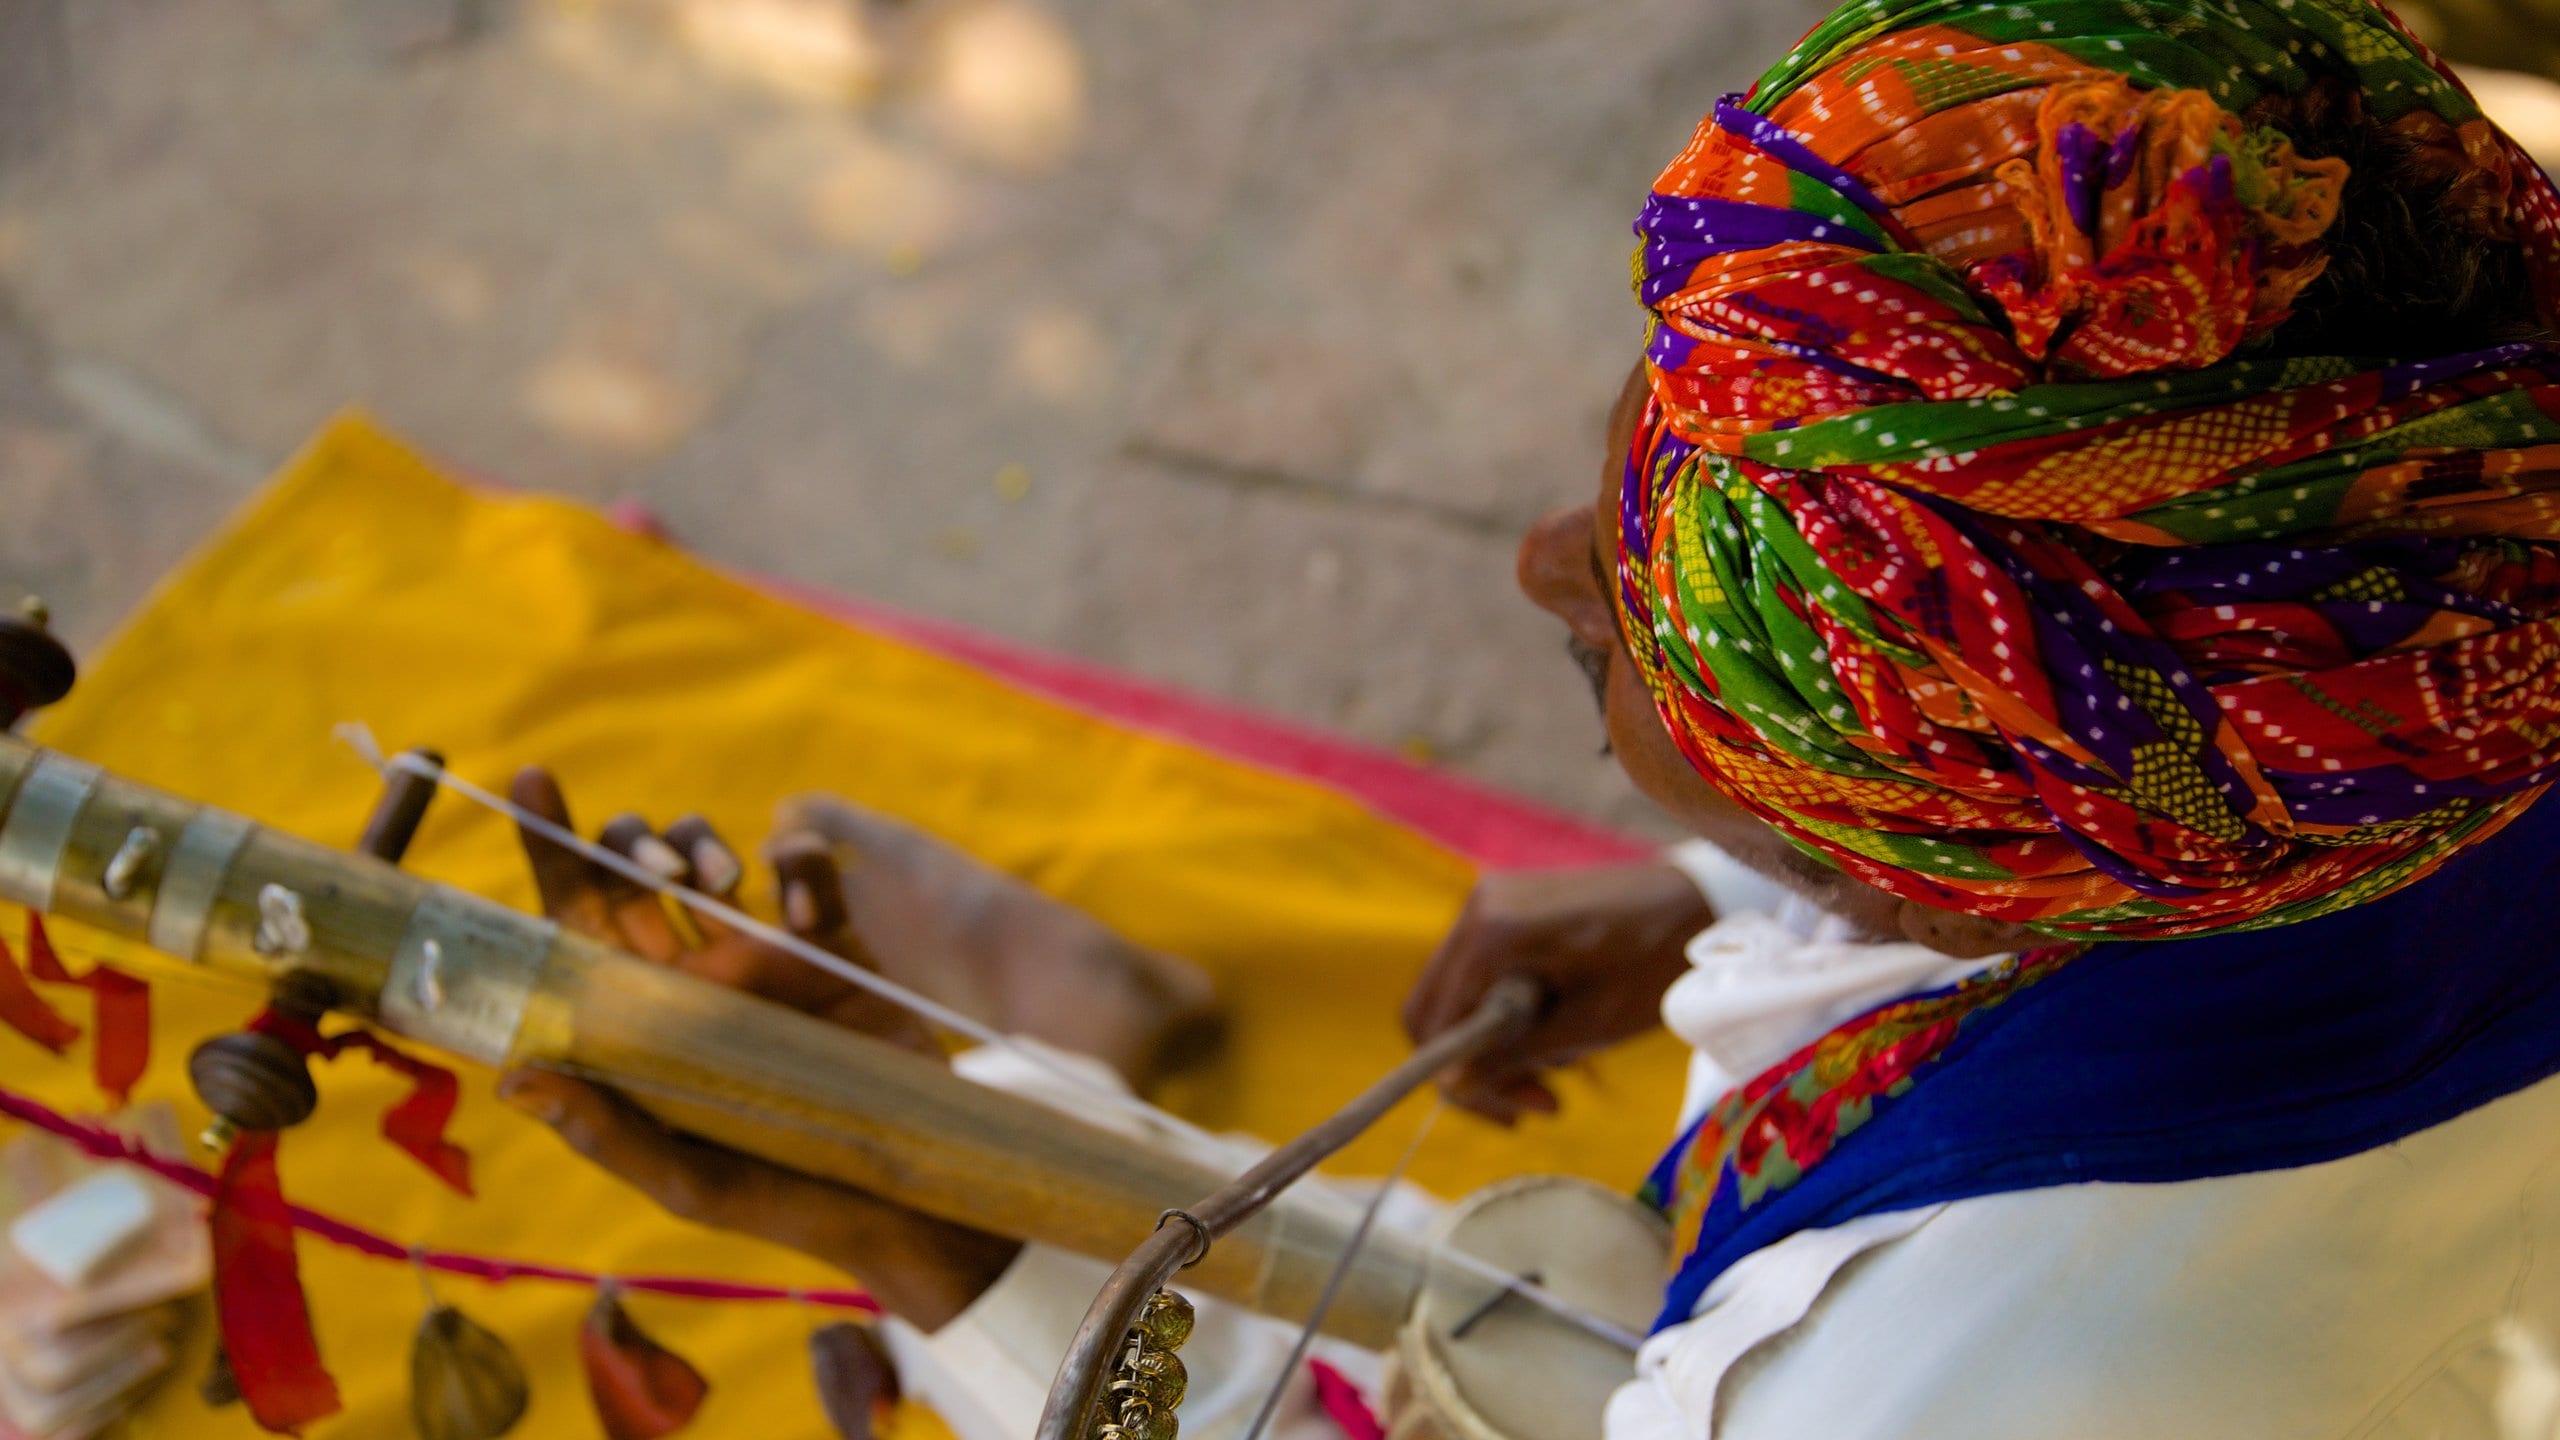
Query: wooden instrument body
[488, 984]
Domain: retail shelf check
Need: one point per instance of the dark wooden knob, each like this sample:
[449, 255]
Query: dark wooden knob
[253, 1081]
[395, 818]
[35, 669]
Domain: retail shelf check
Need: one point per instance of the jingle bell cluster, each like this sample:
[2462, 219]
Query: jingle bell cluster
[1147, 1381]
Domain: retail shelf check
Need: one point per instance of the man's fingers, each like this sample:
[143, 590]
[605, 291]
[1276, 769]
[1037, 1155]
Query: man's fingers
[1477, 1100]
[834, 820]
[570, 885]
[1530, 1097]
[864, 839]
[640, 912]
[813, 906]
[686, 1177]
[1453, 997]
[711, 868]
[717, 870]
[804, 875]
[923, 1268]
[1452, 985]
[1418, 1000]
[743, 962]
[1502, 1099]
[1511, 1080]
[812, 909]
[631, 837]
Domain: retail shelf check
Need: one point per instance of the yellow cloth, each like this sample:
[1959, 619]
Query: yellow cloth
[508, 629]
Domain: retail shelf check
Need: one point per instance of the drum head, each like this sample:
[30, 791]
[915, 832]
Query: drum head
[1519, 1370]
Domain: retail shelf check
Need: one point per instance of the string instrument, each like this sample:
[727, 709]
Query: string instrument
[333, 930]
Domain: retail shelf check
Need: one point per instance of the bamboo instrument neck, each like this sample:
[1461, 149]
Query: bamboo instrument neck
[479, 981]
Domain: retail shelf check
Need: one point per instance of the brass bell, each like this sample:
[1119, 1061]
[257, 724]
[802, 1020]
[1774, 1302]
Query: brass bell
[1161, 1378]
[464, 1383]
[1148, 1379]
[1167, 1320]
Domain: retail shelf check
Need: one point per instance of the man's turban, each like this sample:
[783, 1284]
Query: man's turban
[1981, 534]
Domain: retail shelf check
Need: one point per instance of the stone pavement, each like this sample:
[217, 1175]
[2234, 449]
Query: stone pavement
[1228, 341]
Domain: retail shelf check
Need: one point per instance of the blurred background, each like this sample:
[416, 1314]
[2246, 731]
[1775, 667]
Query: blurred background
[1228, 342]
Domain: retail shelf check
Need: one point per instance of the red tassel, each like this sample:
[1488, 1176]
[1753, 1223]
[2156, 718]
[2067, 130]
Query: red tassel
[26, 1012]
[642, 1390]
[123, 1011]
[258, 1298]
[257, 1295]
[416, 1124]
[123, 1048]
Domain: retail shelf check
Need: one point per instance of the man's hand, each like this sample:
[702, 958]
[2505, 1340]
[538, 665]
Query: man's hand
[1603, 944]
[925, 1270]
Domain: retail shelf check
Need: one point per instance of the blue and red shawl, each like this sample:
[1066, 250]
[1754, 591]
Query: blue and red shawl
[2143, 1062]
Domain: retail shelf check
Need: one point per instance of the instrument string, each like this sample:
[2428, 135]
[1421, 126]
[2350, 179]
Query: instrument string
[1341, 1269]
[1324, 1197]
[360, 739]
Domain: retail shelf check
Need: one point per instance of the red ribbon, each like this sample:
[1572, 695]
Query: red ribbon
[26, 1012]
[122, 1013]
[258, 1298]
[416, 1124]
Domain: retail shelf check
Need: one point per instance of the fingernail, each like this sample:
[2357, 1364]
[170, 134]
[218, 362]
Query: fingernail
[658, 857]
[715, 867]
[799, 905]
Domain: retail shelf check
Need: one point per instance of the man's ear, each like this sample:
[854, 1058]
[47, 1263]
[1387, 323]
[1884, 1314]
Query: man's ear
[1966, 937]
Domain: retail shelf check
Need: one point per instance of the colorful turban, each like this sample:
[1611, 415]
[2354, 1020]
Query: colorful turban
[1975, 536]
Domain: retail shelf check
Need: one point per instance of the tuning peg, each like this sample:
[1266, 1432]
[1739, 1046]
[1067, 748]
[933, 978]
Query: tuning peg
[251, 1080]
[396, 816]
[254, 1080]
[35, 668]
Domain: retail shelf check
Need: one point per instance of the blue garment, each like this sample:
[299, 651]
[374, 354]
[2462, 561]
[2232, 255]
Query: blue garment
[2221, 1055]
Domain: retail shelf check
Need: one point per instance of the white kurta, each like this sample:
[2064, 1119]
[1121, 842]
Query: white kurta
[2410, 1291]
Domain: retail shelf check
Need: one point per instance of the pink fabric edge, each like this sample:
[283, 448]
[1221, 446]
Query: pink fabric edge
[1494, 830]
[1342, 1403]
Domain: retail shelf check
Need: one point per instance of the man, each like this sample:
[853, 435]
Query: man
[2094, 477]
